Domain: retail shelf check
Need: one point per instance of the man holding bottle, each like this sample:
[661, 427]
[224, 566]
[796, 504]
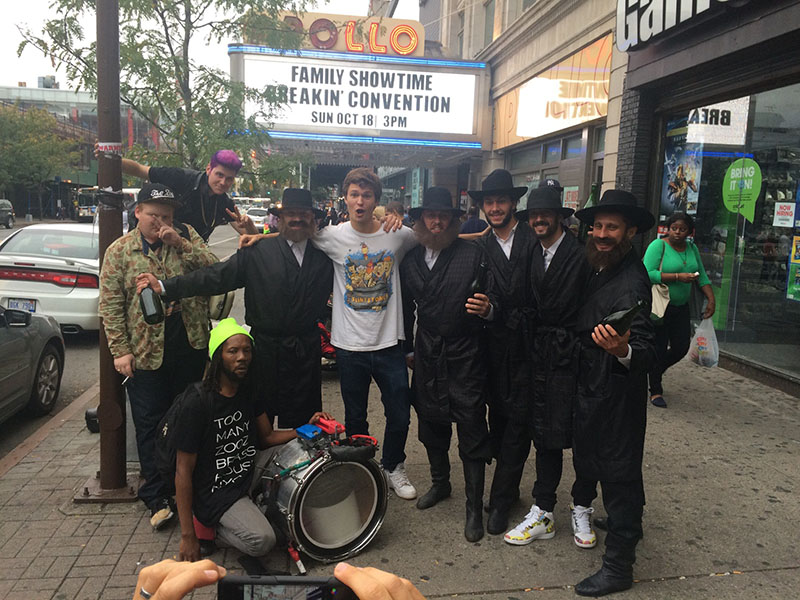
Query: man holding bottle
[611, 404]
[160, 359]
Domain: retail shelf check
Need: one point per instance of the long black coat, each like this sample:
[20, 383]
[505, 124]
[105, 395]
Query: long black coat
[283, 303]
[558, 295]
[611, 406]
[508, 335]
[449, 381]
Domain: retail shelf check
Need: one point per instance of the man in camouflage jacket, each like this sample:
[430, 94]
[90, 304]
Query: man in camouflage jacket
[160, 360]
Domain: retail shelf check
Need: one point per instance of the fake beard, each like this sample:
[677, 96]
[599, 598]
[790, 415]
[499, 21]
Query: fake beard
[606, 259]
[436, 241]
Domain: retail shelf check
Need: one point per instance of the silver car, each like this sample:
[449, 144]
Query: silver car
[258, 216]
[31, 362]
[53, 270]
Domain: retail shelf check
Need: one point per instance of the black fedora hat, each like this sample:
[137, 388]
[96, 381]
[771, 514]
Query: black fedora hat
[544, 198]
[621, 202]
[498, 182]
[296, 198]
[435, 198]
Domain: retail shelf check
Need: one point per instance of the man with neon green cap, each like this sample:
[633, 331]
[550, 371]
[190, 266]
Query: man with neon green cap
[218, 445]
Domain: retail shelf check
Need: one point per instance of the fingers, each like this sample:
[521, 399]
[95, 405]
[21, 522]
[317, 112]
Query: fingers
[373, 584]
[183, 577]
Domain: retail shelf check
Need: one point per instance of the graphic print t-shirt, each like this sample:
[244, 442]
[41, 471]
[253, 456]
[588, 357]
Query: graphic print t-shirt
[224, 442]
[367, 307]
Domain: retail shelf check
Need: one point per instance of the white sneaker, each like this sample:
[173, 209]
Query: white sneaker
[582, 526]
[398, 481]
[537, 525]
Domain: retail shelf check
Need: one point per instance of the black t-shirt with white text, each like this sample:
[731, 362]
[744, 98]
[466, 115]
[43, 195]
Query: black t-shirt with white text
[224, 440]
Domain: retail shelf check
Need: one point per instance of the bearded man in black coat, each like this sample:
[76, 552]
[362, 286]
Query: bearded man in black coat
[559, 272]
[449, 381]
[610, 412]
[508, 248]
[287, 283]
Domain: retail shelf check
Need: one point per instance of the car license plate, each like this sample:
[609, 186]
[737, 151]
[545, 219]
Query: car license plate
[20, 304]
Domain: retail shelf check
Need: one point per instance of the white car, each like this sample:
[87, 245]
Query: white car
[53, 270]
[258, 216]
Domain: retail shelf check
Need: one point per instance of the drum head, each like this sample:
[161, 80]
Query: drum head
[340, 508]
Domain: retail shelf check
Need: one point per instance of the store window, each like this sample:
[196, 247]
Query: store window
[735, 166]
[488, 22]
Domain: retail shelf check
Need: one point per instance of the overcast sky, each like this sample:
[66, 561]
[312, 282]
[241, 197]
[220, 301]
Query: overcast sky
[33, 13]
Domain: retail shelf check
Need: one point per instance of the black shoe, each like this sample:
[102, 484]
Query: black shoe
[207, 548]
[601, 523]
[474, 471]
[161, 513]
[497, 521]
[437, 493]
[603, 582]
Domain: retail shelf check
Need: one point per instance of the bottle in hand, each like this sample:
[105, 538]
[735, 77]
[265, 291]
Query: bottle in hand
[478, 285]
[152, 309]
[622, 319]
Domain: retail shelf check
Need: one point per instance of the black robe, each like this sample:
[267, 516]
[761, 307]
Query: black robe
[558, 295]
[283, 303]
[611, 405]
[508, 335]
[449, 380]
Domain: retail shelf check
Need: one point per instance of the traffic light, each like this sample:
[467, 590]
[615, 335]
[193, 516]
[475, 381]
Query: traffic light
[253, 154]
[274, 182]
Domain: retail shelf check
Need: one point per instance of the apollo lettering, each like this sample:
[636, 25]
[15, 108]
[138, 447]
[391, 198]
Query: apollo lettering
[639, 21]
[323, 34]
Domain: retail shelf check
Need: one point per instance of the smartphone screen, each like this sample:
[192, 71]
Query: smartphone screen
[268, 587]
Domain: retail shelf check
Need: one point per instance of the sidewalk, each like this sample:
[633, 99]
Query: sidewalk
[722, 474]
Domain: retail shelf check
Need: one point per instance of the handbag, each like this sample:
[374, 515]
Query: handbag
[660, 292]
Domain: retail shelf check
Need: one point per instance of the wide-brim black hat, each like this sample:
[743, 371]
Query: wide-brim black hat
[543, 198]
[498, 183]
[621, 202]
[435, 198]
[299, 199]
[157, 192]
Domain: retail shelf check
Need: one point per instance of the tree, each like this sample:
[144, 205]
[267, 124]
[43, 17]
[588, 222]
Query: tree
[31, 151]
[192, 106]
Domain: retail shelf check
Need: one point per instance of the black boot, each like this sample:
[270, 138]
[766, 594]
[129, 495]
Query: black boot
[440, 476]
[616, 574]
[504, 493]
[474, 473]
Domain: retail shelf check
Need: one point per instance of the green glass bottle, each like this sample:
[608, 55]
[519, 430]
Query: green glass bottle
[622, 319]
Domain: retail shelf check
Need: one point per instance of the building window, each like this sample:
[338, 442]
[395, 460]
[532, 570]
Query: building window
[460, 35]
[488, 23]
[526, 4]
[552, 151]
[572, 147]
[599, 140]
[526, 158]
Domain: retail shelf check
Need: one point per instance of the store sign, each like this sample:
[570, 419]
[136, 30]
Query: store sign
[571, 197]
[370, 35]
[784, 214]
[338, 97]
[639, 21]
[570, 93]
[723, 124]
[741, 187]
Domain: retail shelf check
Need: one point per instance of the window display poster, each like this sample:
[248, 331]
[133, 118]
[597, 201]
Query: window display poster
[683, 164]
[793, 282]
[784, 214]
[571, 199]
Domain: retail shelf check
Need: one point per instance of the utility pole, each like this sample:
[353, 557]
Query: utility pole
[112, 483]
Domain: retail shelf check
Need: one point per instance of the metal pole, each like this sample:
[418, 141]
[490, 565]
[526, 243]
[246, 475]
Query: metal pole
[111, 412]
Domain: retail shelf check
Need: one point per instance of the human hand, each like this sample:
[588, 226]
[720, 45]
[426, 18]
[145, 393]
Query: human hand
[125, 365]
[170, 580]
[687, 277]
[145, 280]
[479, 305]
[97, 152]
[391, 222]
[169, 236]
[189, 548]
[319, 415]
[241, 223]
[410, 361]
[247, 240]
[711, 307]
[369, 583]
[610, 341]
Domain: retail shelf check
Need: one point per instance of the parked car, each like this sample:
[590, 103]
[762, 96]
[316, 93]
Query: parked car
[7, 215]
[31, 362]
[53, 270]
[258, 216]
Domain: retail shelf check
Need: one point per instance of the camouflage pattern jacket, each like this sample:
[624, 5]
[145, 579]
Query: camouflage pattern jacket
[123, 322]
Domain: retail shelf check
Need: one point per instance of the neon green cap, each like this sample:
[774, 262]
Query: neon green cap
[224, 329]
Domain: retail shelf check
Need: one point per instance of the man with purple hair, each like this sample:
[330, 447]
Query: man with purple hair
[202, 195]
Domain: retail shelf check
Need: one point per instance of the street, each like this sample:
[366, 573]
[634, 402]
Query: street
[81, 369]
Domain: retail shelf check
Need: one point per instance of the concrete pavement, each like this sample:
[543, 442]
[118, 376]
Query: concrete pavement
[722, 471]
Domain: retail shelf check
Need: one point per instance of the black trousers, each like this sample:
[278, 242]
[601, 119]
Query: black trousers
[511, 445]
[673, 336]
[549, 465]
[624, 503]
[473, 438]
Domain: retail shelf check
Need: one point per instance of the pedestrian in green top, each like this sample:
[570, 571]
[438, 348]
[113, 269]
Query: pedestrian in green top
[676, 262]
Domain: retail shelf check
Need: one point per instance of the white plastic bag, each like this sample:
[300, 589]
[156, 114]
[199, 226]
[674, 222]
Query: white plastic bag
[704, 350]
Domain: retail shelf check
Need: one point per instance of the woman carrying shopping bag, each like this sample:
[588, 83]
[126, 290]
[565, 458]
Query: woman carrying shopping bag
[674, 261]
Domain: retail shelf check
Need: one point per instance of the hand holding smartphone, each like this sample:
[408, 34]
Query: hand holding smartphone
[276, 587]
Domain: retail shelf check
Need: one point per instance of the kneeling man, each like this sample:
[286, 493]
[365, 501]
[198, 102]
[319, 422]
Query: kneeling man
[218, 464]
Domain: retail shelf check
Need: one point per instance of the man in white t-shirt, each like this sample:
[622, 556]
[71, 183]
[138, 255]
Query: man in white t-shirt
[368, 319]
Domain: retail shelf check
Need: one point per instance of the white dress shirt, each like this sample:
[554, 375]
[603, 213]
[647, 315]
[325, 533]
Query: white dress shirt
[431, 256]
[505, 244]
[298, 249]
[550, 252]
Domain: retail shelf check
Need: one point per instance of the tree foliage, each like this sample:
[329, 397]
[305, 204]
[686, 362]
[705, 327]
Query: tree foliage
[31, 151]
[193, 107]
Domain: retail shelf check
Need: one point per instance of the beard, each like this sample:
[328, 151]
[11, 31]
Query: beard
[551, 228]
[296, 235]
[437, 241]
[232, 376]
[504, 222]
[606, 259]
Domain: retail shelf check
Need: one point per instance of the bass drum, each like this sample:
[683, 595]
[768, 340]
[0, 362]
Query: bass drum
[331, 509]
